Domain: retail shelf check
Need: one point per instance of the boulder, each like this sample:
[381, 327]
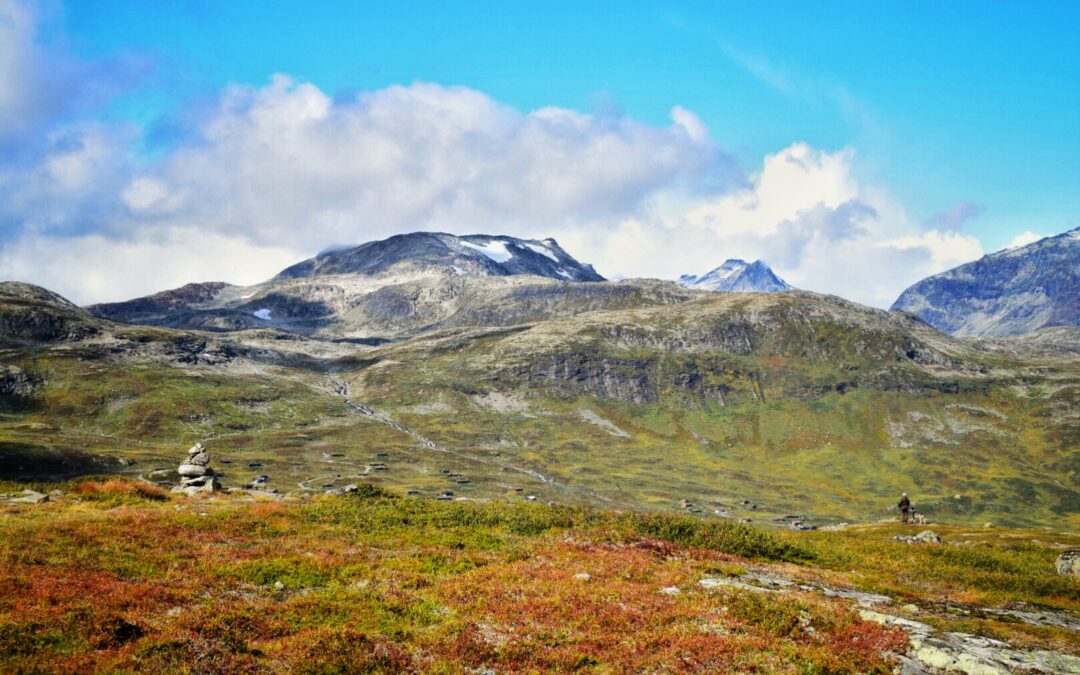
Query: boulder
[194, 470]
[198, 455]
[926, 537]
[1068, 563]
[30, 497]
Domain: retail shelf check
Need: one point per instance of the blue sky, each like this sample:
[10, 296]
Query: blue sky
[966, 114]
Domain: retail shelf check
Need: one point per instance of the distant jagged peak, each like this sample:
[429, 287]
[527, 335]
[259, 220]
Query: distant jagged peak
[466, 255]
[737, 275]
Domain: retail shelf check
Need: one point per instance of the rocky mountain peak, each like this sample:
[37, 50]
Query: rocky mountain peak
[738, 275]
[470, 255]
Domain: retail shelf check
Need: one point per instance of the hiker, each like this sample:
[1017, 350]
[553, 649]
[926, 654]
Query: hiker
[905, 507]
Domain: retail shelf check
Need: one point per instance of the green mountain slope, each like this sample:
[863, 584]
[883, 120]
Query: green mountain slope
[733, 405]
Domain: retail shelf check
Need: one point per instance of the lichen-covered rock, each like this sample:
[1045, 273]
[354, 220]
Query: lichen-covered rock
[925, 537]
[193, 470]
[1068, 563]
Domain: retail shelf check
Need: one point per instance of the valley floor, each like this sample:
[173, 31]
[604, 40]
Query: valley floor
[121, 576]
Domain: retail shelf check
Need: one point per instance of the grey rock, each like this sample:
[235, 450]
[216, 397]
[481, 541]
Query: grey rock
[1068, 563]
[344, 490]
[926, 537]
[193, 470]
[30, 497]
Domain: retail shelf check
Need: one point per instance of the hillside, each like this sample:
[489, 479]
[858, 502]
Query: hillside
[748, 406]
[1011, 292]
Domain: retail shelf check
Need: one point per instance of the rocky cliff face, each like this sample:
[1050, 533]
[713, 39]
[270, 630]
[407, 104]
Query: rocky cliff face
[1010, 292]
[738, 275]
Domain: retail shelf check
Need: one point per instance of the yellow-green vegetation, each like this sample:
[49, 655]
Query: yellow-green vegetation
[747, 407]
[119, 576]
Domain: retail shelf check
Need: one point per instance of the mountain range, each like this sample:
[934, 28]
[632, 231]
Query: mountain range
[476, 356]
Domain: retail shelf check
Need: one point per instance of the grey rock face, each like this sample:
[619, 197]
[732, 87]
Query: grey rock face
[185, 297]
[1010, 292]
[738, 276]
[32, 313]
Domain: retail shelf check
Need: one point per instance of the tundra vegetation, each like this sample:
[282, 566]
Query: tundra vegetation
[117, 576]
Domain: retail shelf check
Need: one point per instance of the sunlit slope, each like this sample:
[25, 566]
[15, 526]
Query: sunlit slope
[795, 402]
[748, 406]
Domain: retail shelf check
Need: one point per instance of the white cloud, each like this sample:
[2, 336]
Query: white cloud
[1024, 238]
[285, 164]
[96, 268]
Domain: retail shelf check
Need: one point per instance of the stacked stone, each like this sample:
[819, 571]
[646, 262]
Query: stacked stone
[196, 475]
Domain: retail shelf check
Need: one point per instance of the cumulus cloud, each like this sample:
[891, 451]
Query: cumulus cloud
[1024, 238]
[288, 164]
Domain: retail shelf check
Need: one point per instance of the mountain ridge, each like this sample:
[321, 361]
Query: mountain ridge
[1009, 292]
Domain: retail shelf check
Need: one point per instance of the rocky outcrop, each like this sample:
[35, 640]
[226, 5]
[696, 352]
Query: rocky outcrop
[925, 537]
[1068, 563]
[17, 387]
[33, 314]
[196, 474]
[186, 297]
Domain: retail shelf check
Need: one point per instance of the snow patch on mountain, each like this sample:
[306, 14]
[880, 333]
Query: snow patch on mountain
[542, 250]
[493, 250]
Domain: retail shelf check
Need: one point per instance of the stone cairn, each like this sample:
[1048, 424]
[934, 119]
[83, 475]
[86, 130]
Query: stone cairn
[196, 475]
